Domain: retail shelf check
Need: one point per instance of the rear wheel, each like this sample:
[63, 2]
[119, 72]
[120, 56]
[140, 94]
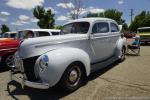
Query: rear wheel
[123, 54]
[73, 77]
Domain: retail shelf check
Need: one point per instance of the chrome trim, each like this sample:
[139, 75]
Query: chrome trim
[8, 49]
[20, 79]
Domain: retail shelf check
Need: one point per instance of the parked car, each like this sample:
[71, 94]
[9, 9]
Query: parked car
[29, 33]
[8, 45]
[144, 33]
[86, 45]
[9, 35]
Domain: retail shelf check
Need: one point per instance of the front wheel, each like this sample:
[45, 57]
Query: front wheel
[73, 77]
[9, 61]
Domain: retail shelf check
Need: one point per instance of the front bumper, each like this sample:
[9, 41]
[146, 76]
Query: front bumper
[20, 78]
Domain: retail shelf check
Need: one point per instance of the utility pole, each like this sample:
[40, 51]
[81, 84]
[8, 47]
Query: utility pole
[131, 14]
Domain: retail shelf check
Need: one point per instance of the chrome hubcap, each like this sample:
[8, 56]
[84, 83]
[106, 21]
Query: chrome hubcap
[74, 76]
[10, 61]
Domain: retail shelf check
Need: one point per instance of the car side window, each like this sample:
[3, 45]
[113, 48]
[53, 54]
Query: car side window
[100, 27]
[114, 27]
[13, 35]
[55, 33]
[5, 35]
[42, 33]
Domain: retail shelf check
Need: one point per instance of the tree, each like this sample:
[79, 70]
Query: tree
[4, 28]
[75, 7]
[45, 17]
[58, 27]
[112, 14]
[141, 20]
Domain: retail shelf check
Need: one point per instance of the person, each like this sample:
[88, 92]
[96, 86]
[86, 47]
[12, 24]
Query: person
[30, 34]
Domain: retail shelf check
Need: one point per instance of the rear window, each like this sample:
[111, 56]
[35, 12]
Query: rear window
[41, 33]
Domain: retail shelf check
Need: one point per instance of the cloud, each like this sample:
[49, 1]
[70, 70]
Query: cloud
[52, 9]
[24, 4]
[120, 2]
[95, 10]
[65, 5]
[23, 18]
[34, 20]
[18, 23]
[3, 19]
[4, 13]
[62, 18]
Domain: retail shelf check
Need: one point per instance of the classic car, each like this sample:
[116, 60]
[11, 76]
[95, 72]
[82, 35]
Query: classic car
[85, 45]
[9, 35]
[144, 33]
[8, 45]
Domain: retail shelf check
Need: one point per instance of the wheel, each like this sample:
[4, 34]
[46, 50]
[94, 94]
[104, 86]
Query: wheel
[9, 60]
[123, 54]
[73, 77]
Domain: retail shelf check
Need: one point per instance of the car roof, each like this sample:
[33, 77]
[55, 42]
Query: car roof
[93, 19]
[12, 32]
[144, 28]
[47, 30]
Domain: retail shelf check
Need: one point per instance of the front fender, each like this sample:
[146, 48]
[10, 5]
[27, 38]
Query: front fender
[59, 60]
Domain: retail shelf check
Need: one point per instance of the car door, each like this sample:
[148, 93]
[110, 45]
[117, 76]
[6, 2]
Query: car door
[114, 36]
[100, 41]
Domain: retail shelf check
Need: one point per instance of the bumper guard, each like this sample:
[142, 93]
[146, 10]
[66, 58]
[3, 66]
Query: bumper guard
[19, 77]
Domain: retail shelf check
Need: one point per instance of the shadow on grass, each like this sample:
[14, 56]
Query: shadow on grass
[50, 94]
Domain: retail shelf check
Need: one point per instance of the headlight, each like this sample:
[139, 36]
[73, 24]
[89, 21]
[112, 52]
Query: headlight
[44, 62]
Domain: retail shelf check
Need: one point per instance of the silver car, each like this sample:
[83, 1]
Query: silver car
[85, 45]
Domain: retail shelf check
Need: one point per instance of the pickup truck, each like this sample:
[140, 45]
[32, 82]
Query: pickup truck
[85, 45]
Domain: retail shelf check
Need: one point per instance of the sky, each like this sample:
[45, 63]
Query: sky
[17, 14]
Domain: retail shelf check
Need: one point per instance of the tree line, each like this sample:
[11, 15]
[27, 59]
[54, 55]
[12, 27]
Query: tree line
[46, 19]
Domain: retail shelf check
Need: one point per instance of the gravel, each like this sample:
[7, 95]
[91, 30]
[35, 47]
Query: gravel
[129, 80]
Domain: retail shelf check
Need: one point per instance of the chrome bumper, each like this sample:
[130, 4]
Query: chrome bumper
[18, 77]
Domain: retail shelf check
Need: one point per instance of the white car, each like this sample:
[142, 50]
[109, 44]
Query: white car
[86, 45]
[30, 33]
[9, 34]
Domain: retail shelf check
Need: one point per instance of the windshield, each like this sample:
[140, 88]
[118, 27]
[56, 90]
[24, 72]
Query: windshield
[146, 30]
[76, 28]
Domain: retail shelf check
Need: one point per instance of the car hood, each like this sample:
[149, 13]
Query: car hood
[36, 46]
[8, 43]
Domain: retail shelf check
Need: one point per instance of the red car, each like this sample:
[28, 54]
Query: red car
[8, 47]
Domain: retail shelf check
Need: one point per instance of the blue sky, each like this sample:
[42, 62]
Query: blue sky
[17, 14]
